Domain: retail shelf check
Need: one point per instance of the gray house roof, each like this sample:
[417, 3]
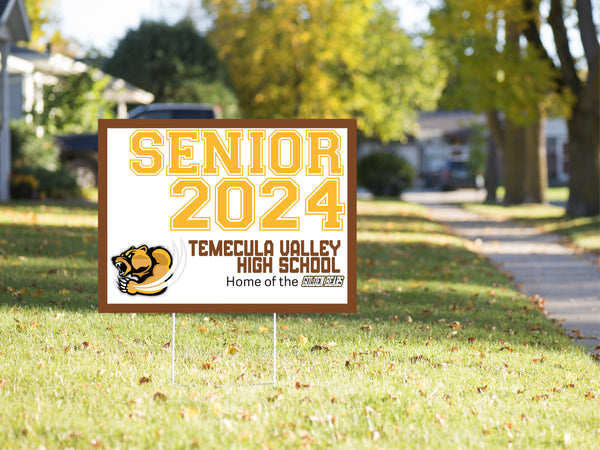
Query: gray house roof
[14, 23]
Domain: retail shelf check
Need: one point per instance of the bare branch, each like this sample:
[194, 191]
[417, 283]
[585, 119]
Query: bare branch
[587, 31]
[531, 32]
[567, 64]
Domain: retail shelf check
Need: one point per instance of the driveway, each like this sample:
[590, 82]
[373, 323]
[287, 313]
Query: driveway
[540, 265]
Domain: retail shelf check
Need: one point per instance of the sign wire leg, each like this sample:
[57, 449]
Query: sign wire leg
[274, 348]
[173, 352]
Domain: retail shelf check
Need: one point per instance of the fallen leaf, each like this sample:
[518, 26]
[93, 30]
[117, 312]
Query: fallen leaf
[159, 396]
[263, 330]
[136, 414]
[302, 339]
[369, 410]
[217, 408]
[455, 325]
[412, 408]
[328, 418]
[2, 383]
[481, 389]
[188, 413]
[319, 347]
[440, 419]
[233, 349]
[366, 328]
[144, 380]
[243, 436]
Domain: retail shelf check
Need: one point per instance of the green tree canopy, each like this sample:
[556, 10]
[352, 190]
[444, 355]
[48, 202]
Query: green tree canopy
[335, 59]
[74, 104]
[174, 62]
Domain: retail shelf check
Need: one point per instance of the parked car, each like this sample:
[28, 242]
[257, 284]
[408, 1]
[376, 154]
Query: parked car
[457, 175]
[79, 152]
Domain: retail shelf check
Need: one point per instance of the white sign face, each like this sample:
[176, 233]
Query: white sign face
[227, 216]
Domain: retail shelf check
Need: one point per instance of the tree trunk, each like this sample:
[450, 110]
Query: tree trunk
[514, 163]
[584, 163]
[536, 166]
[497, 146]
[491, 173]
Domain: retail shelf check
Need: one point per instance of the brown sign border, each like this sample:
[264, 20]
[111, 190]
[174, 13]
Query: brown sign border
[105, 307]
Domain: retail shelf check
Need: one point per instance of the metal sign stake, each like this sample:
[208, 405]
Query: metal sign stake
[173, 353]
[274, 348]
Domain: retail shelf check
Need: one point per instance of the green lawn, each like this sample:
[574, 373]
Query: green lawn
[443, 353]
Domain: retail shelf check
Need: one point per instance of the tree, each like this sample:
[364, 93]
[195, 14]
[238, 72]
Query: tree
[335, 59]
[170, 60]
[41, 17]
[74, 104]
[39, 13]
[583, 86]
[535, 83]
[495, 72]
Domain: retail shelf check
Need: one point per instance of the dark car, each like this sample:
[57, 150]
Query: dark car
[79, 152]
[175, 111]
[457, 175]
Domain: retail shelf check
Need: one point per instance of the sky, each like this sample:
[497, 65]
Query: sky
[101, 24]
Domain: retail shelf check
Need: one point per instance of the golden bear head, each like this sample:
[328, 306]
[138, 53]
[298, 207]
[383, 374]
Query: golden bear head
[134, 262]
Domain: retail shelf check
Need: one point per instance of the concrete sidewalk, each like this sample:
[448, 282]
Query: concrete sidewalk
[540, 265]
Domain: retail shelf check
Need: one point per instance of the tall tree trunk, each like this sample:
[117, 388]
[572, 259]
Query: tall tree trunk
[536, 166]
[584, 146]
[497, 147]
[491, 173]
[584, 163]
[514, 163]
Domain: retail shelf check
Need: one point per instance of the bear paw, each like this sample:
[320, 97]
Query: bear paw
[123, 284]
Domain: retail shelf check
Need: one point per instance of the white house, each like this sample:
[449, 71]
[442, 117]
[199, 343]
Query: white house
[445, 135]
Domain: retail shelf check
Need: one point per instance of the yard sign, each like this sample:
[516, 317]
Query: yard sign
[227, 216]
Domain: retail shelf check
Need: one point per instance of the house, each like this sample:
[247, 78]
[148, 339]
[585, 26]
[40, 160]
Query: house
[31, 70]
[14, 26]
[445, 135]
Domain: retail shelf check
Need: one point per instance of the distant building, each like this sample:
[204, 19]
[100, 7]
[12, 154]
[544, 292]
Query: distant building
[445, 135]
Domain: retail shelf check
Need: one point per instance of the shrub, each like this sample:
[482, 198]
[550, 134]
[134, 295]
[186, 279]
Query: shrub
[384, 173]
[27, 149]
[28, 182]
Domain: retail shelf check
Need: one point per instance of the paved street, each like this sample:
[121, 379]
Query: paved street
[539, 264]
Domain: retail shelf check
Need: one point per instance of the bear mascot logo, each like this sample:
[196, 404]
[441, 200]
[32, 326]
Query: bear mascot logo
[143, 270]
